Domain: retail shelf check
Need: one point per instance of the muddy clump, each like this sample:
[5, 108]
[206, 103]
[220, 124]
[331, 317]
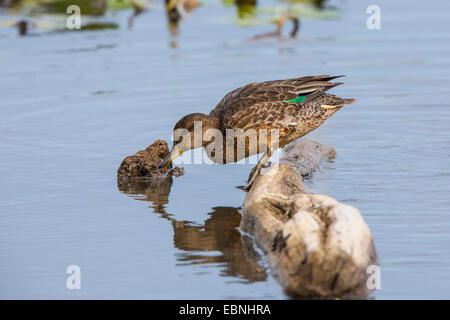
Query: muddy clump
[145, 163]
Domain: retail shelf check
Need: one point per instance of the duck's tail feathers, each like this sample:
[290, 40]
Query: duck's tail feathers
[319, 92]
[317, 86]
[348, 101]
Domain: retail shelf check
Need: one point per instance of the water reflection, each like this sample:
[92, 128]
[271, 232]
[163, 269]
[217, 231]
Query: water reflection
[280, 23]
[8, 4]
[245, 8]
[137, 10]
[320, 4]
[99, 26]
[88, 7]
[216, 241]
[23, 26]
[173, 21]
[176, 10]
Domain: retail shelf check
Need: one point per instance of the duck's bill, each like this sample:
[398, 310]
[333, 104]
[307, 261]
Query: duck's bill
[175, 152]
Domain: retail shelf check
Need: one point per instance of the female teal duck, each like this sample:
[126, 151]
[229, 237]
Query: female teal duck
[289, 108]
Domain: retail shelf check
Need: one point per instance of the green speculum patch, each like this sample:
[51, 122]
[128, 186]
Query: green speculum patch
[299, 99]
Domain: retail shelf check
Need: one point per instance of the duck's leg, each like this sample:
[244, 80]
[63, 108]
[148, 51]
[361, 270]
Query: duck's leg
[256, 170]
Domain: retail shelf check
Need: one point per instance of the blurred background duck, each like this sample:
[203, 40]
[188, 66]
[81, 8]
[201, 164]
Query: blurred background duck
[180, 8]
[23, 26]
[137, 10]
[292, 107]
[176, 11]
[280, 23]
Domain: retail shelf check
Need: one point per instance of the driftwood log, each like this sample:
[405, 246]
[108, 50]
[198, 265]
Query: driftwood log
[316, 246]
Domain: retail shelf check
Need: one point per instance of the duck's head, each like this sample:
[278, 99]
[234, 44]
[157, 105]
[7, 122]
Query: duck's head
[188, 134]
[282, 20]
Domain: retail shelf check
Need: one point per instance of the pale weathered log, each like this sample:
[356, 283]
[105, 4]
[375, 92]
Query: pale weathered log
[316, 246]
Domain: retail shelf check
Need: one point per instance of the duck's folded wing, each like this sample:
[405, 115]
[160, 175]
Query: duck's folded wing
[272, 91]
[264, 115]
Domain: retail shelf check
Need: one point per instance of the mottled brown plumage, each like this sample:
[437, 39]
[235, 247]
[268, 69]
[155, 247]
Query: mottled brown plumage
[264, 105]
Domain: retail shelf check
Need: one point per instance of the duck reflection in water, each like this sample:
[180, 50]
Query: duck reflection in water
[245, 8]
[176, 11]
[280, 23]
[137, 10]
[23, 26]
[219, 233]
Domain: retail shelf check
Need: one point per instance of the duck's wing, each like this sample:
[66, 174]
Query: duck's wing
[220, 107]
[265, 115]
[271, 94]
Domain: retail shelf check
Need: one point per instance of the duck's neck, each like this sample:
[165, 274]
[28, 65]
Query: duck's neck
[282, 20]
[204, 127]
[296, 23]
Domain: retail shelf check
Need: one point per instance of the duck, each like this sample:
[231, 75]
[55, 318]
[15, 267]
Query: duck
[278, 112]
[178, 9]
[23, 26]
[137, 10]
[280, 23]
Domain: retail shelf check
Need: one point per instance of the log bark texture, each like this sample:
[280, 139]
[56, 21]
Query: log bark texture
[316, 246]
